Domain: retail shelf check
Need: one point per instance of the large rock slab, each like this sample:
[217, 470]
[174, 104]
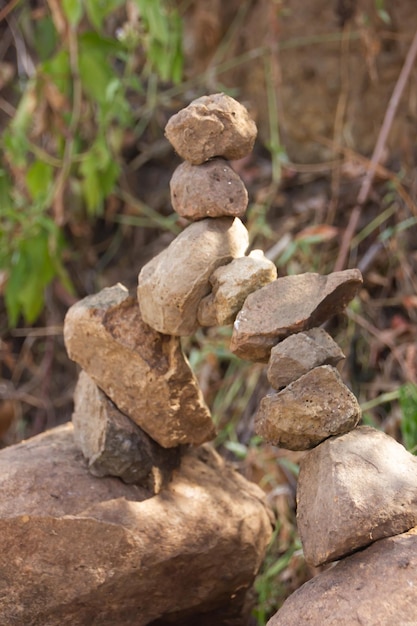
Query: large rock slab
[298, 354]
[114, 445]
[80, 550]
[209, 190]
[144, 372]
[172, 285]
[353, 490]
[211, 126]
[314, 407]
[231, 285]
[376, 587]
[289, 305]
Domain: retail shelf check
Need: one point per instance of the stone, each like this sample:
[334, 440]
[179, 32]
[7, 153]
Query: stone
[353, 490]
[114, 445]
[300, 353]
[316, 406]
[143, 372]
[289, 305]
[172, 284]
[209, 190]
[76, 549]
[231, 284]
[375, 587]
[211, 126]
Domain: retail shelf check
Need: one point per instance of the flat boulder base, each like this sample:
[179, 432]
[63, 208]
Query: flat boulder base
[314, 407]
[211, 126]
[298, 354]
[352, 491]
[172, 285]
[83, 550]
[289, 305]
[231, 284]
[376, 587]
[114, 445]
[209, 190]
[142, 371]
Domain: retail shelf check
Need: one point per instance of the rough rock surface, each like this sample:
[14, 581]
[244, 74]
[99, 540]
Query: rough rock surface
[174, 282]
[231, 284]
[211, 126]
[143, 372]
[116, 446]
[80, 550]
[314, 407]
[300, 353]
[289, 305]
[209, 190]
[376, 587]
[361, 486]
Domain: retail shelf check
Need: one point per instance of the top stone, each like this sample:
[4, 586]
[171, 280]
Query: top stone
[211, 126]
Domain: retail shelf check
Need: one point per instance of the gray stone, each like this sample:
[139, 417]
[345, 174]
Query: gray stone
[352, 491]
[376, 587]
[211, 126]
[289, 305]
[143, 372]
[78, 550]
[314, 407]
[209, 190]
[116, 446]
[172, 284]
[299, 353]
[231, 284]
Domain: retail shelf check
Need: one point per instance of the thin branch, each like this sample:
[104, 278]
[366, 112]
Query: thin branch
[377, 154]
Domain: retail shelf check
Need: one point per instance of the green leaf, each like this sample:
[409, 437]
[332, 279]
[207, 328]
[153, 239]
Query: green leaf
[39, 180]
[73, 10]
[97, 10]
[408, 404]
[45, 37]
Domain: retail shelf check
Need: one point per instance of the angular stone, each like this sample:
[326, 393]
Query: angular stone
[289, 305]
[143, 372]
[209, 190]
[231, 285]
[352, 491]
[211, 126]
[172, 284]
[314, 407]
[376, 587]
[78, 550]
[300, 353]
[114, 445]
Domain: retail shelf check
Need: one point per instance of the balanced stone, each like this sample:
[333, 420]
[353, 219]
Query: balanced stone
[76, 549]
[116, 446]
[212, 126]
[314, 407]
[143, 372]
[300, 353]
[353, 490]
[231, 284]
[289, 305]
[375, 587]
[209, 190]
[172, 284]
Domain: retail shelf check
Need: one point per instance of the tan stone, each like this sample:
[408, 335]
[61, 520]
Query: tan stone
[299, 353]
[172, 284]
[116, 446]
[211, 126]
[81, 550]
[289, 305]
[143, 372]
[352, 491]
[231, 285]
[376, 587]
[209, 190]
[314, 407]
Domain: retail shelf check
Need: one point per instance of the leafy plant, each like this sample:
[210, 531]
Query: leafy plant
[61, 151]
[408, 404]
